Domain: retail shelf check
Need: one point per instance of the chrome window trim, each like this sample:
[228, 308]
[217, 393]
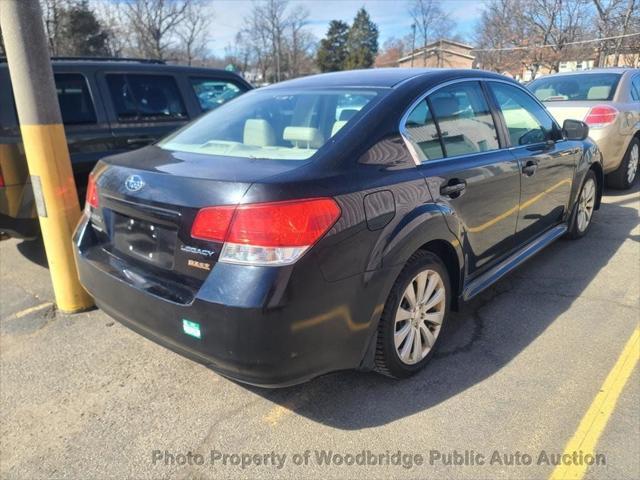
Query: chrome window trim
[411, 147]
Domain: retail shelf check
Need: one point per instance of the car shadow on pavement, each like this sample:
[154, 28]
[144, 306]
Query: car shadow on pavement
[487, 334]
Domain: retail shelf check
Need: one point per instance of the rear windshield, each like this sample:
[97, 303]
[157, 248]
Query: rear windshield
[273, 124]
[586, 86]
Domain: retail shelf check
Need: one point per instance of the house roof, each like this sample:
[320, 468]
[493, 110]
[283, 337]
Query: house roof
[437, 45]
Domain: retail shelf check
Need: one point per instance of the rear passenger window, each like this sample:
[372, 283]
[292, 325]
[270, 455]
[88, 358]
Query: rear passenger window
[635, 89]
[464, 118]
[422, 130]
[75, 101]
[145, 98]
[526, 121]
[212, 93]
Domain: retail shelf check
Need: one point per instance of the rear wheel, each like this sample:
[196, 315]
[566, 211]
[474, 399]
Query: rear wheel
[414, 316]
[584, 208]
[627, 172]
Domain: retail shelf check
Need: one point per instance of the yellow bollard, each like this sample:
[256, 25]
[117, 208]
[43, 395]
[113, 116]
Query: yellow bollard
[45, 145]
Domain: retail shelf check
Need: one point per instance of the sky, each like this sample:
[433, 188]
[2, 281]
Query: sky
[391, 16]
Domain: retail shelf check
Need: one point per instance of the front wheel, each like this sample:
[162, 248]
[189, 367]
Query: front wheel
[413, 317]
[584, 208]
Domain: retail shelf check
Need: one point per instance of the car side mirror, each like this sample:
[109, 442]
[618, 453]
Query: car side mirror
[575, 129]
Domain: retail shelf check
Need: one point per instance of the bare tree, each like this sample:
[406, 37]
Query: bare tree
[279, 43]
[615, 18]
[192, 32]
[52, 12]
[154, 24]
[113, 16]
[273, 21]
[430, 21]
[501, 27]
[240, 53]
[392, 50]
[299, 41]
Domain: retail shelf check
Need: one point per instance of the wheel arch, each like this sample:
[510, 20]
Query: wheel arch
[599, 172]
[449, 256]
[423, 229]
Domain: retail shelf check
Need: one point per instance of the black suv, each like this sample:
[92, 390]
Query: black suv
[108, 106]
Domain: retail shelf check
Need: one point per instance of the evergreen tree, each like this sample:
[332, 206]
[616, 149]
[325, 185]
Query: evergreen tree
[362, 43]
[82, 33]
[332, 51]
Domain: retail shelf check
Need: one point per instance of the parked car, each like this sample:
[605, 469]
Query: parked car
[107, 106]
[608, 100]
[283, 236]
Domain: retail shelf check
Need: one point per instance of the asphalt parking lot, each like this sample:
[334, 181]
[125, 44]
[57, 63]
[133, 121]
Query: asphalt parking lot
[83, 397]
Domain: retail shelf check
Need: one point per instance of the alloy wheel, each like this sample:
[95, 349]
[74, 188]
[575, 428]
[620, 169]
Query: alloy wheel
[586, 203]
[632, 167]
[419, 316]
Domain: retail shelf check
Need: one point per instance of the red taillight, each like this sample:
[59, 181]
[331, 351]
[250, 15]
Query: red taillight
[266, 233]
[283, 224]
[601, 115]
[1, 179]
[92, 192]
[212, 223]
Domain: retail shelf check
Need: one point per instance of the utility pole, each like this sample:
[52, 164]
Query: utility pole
[45, 145]
[413, 42]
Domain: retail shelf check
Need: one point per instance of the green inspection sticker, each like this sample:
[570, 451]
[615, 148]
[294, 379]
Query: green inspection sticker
[191, 328]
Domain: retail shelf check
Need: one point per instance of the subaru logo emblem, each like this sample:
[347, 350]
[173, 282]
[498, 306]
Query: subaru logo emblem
[134, 183]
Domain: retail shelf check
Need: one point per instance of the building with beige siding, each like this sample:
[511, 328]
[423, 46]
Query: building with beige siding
[440, 54]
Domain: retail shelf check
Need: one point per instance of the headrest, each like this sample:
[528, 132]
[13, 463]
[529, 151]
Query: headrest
[337, 126]
[348, 114]
[304, 137]
[259, 133]
[445, 106]
[598, 93]
[544, 93]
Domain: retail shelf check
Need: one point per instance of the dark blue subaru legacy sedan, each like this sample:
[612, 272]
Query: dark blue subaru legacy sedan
[331, 222]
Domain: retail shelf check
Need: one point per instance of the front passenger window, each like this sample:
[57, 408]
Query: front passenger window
[526, 121]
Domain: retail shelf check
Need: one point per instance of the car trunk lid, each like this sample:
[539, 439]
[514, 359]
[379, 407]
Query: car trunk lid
[564, 110]
[148, 201]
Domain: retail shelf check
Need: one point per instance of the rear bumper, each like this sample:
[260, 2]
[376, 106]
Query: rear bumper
[612, 144]
[265, 326]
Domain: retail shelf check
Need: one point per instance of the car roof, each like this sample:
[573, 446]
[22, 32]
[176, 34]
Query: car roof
[377, 77]
[618, 70]
[130, 63]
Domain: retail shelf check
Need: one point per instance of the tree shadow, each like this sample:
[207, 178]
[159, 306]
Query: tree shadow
[480, 341]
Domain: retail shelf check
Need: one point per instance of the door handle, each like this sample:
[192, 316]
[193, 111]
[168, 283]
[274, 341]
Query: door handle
[453, 189]
[530, 168]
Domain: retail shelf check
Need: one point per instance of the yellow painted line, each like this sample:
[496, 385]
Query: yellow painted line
[36, 308]
[595, 420]
[279, 412]
[275, 414]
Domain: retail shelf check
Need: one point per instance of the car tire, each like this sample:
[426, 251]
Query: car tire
[584, 207]
[421, 324]
[627, 172]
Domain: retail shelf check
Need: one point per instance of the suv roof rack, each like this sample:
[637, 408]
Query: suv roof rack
[102, 59]
[110, 59]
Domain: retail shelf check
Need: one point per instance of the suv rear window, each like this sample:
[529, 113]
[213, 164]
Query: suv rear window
[578, 87]
[75, 101]
[145, 98]
[211, 92]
